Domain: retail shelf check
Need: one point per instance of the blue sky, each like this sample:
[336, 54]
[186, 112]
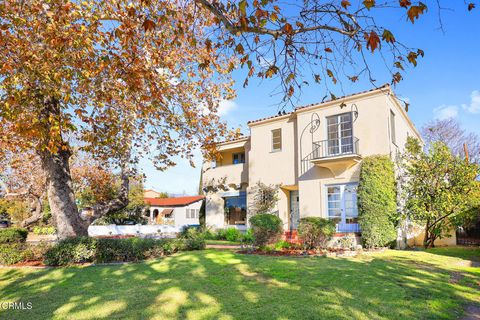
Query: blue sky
[445, 83]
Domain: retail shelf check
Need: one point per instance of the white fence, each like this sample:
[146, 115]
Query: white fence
[136, 230]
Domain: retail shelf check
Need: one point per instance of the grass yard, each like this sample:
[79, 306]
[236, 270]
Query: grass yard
[220, 284]
[222, 242]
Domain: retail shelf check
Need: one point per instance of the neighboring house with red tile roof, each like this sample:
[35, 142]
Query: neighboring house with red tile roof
[314, 153]
[179, 211]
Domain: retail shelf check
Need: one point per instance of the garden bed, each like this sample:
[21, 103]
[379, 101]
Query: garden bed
[331, 252]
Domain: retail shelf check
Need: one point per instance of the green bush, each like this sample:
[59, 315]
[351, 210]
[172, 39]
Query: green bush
[315, 232]
[377, 201]
[266, 229]
[247, 237]
[44, 230]
[282, 244]
[11, 253]
[12, 235]
[208, 233]
[232, 234]
[70, 251]
[221, 234]
[193, 240]
[104, 250]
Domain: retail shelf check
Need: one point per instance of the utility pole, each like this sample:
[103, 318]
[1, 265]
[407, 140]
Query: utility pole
[466, 152]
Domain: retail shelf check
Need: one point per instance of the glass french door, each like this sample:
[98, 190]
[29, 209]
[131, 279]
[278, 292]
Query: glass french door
[339, 134]
[342, 206]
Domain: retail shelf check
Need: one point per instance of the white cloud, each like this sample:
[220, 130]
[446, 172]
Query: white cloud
[444, 112]
[474, 106]
[226, 106]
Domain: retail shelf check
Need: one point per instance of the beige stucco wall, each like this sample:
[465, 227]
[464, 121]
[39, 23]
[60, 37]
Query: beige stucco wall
[372, 128]
[416, 234]
[151, 194]
[273, 167]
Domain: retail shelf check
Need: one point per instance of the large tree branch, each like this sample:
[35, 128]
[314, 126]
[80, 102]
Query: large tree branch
[37, 213]
[119, 202]
[276, 33]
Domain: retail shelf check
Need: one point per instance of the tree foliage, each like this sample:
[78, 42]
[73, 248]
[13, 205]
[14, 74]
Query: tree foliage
[438, 187]
[318, 41]
[454, 136]
[377, 201]
[119, 79]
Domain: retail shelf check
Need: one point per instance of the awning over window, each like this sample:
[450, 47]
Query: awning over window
[166, 212]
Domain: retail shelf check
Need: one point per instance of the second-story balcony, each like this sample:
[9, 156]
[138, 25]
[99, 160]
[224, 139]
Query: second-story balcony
[230, 175]
[337, 155]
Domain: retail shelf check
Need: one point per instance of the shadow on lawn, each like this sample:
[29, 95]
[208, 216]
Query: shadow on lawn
[214, 284]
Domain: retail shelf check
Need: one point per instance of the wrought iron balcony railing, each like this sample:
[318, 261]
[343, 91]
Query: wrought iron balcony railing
[329, 149]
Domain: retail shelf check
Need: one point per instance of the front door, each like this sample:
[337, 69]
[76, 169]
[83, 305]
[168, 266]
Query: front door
[342, 206]
[294, 210]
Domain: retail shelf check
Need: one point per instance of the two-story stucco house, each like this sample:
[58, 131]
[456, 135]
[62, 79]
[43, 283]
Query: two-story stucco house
[314, 153]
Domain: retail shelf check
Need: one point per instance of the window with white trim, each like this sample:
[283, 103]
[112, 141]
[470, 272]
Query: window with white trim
[277, 140]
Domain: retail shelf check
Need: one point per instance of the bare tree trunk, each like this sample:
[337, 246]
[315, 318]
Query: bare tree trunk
[426, 238]
[60, 194]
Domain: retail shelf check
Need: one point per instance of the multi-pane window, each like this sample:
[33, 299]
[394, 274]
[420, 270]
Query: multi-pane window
[340, 134]
[238, 158]
[342, 206]
[392, 126]
[192, 213]
[277, 140]
[334, 203]
[236, 209]
[350, 203]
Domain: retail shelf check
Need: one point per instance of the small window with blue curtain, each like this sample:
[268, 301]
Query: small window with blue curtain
[238, 157]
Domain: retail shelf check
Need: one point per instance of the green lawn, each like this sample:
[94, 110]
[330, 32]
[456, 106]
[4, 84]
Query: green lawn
[223, 285]
[223, 242]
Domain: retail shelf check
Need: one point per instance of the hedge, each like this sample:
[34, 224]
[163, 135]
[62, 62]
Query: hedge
[377, 201]
[13, 235]
[103, 250]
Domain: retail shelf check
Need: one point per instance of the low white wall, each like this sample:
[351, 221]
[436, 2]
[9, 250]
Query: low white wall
[115, 230]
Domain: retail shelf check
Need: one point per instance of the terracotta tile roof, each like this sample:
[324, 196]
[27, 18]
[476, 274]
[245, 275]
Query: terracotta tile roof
[275, 116]
[384, 86]
[233, 140]
[172, 202]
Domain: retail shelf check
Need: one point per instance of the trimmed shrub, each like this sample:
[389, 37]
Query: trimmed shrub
[193, 240]
[11, 253]
[315, 232]
[220, 234]
[70, 251]
[44, 230]
[85, 249]
[232, 234]
[13, 235]
[247, 237]
[377, 204]
[266, 229]
[282, 244]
